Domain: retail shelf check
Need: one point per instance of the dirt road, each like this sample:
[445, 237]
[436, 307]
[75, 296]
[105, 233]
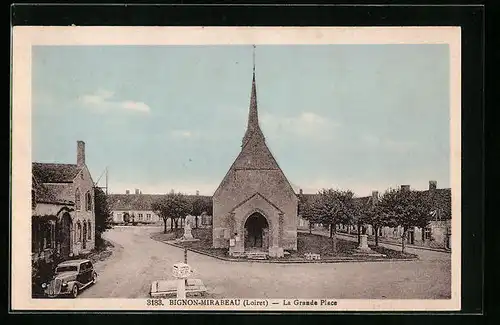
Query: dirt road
[138, 260]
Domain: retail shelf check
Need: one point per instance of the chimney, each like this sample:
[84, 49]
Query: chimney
[405, 187]
[432, 185]
[300, 191]
[197, 192]
[374, 197]
[140, 192]
[80, 153]
[127, 192]
[136, 191]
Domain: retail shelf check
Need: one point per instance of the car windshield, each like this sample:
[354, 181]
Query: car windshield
[66, 268]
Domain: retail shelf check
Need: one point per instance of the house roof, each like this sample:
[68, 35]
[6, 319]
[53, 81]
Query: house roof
[50, 193]
[441, 201]
[55, 173]
[125, 202]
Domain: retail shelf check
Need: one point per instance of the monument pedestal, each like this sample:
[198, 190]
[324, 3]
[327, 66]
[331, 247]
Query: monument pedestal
[363, 243]
[364, 249]
[187, 236]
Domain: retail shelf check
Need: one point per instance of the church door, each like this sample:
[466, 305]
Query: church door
[65, 235]
[255, 227]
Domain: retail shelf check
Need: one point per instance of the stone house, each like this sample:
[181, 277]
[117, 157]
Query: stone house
[63, 218]
[255, 207]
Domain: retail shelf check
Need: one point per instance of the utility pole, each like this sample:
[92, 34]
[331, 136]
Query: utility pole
[97, 182]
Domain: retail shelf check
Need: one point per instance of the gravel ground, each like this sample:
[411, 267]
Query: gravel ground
[138, 260]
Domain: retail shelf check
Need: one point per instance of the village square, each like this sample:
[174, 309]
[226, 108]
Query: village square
[257, 236]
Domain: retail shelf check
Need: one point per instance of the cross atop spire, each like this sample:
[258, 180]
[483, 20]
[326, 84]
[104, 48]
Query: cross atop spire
[254, 60]
[253, 117]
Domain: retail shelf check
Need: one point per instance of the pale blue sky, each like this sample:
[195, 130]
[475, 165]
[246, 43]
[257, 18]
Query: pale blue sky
[359, 117]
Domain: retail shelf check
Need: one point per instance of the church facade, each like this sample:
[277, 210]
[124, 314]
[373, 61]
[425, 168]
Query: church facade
[255, 207]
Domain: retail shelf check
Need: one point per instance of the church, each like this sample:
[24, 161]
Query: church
[255, 207]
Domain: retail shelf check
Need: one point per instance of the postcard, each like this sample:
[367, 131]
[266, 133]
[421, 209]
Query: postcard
[236, 168]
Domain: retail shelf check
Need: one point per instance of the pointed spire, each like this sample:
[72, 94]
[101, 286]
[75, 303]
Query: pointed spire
[254, 61]
[253, 116]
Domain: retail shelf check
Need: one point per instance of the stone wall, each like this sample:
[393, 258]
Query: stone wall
[238, 186]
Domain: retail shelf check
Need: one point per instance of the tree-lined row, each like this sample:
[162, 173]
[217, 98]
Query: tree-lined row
[396, 207]
[176, 206]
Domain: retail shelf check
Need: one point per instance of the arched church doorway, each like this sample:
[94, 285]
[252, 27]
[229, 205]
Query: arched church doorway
[256, 232]
[65, 234]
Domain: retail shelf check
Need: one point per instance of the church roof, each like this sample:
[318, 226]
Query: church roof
[254, 154]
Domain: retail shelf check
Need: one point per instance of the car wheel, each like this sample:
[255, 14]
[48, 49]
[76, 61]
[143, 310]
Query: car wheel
[94, 278]
[74, 292]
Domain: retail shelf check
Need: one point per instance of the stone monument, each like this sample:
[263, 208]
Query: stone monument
[364, 249]
[363, 243]
[187, 236]
[187, 232]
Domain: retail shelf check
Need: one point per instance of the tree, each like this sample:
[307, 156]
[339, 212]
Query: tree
[306, 211]
[358, 216]
[172, 205]
[406, 208]
[102, 212]
[334, 207]
[200, 205]
[376, 217]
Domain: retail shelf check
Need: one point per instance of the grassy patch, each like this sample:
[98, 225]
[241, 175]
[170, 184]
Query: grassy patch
[306, 243]
[312, 243]
[203, 244]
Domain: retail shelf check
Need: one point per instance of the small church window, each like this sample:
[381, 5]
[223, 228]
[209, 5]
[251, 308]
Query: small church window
[79, 231]
[88, 201]
[78, 202]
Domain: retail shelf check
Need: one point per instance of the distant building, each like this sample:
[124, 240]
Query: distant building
[137, 208]
[436, 234]
[63, 217]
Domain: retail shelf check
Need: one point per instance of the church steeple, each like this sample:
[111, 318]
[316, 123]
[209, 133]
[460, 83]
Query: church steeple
[253, 127]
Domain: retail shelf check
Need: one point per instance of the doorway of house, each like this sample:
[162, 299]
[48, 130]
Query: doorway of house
[256, 230]
[84, 239]
[66, 235]
[411, 236]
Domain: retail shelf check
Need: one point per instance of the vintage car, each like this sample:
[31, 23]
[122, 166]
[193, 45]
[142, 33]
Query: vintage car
[70, 277]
